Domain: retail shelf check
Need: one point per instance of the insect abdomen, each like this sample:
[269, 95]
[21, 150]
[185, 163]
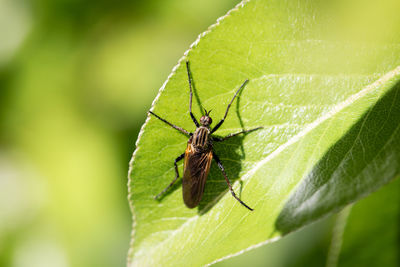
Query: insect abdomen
[200, 137]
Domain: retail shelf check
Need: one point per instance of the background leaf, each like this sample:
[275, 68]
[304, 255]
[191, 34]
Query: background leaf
[328, 99]
[371, 230]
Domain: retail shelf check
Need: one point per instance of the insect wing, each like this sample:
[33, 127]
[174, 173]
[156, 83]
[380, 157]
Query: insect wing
[195, 171]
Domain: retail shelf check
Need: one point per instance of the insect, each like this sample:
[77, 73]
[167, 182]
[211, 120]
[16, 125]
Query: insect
[199, 153]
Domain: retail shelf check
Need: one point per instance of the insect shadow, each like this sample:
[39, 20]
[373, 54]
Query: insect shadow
[232, 154]
[200, 153]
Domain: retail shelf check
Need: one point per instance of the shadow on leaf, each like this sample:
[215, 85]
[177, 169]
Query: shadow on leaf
[231, 152]
[366, 158]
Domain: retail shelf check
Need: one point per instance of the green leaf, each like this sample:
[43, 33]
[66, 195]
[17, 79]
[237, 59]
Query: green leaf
[372, 230]
[328, 98]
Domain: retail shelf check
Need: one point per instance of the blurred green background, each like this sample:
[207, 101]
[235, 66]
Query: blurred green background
[76, 80]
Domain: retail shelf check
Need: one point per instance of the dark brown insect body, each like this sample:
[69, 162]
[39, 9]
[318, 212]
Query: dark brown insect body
[199, 154]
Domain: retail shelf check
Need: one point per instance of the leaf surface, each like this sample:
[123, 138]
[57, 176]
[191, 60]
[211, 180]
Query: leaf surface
[330, 105]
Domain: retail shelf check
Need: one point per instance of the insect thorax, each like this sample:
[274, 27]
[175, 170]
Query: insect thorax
[200, 138]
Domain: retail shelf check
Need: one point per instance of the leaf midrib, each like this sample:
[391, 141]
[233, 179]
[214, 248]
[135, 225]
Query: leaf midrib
[308, 128]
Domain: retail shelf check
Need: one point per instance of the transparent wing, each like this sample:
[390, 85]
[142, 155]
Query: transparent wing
[195, 171]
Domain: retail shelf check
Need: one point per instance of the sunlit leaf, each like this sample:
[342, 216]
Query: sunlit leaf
[328, 99]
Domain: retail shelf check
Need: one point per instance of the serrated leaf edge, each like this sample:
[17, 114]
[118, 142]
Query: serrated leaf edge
[174, 69]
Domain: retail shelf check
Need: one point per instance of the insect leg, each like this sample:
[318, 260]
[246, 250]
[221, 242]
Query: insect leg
[220, 139]
[227, 109]
[228, 182]
[176, 177]
[191, 95]
[172, 125]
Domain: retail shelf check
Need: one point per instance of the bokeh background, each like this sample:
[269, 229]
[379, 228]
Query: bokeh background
[76, 80]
